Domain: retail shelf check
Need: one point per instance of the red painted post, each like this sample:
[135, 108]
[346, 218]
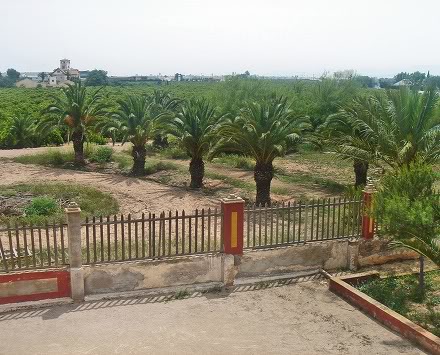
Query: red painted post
[233, 222]
[367, 219]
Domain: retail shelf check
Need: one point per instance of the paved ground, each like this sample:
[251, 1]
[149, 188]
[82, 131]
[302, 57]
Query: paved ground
[302, 318]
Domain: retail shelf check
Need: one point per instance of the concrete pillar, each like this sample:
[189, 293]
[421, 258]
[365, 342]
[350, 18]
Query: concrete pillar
[353, 255]
[233, 224]
[75, 252]
[229, 269]
[367, 218]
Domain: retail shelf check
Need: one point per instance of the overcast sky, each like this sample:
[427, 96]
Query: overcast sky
[270, 37]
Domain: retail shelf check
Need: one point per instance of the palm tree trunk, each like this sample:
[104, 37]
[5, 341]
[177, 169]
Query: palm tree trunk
[78, 147]
[139, 155]
[360, 171]
[263, 174]
[197, 171]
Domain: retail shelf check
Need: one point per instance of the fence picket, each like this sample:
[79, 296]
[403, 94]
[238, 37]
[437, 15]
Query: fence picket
[174, 233]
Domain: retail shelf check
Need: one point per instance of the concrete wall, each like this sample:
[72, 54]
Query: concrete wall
[189, 270]
[377, 252]
[131, 276]
[34, 285]
[264, 262]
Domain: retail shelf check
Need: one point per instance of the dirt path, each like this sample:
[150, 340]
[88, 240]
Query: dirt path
[134, 195]
[303, 318]
[138, 195]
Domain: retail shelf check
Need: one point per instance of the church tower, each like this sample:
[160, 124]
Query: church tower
[65, 64]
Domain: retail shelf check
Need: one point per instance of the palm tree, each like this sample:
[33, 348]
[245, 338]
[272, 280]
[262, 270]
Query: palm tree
[138, 123]
[342, 135]
[264, 131]
[109, 127]
[163, 102]
[77, 110]
[22, 131]
[395, 129]
[195, 128]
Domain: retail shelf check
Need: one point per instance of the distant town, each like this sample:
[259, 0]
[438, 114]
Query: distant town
[65, 74]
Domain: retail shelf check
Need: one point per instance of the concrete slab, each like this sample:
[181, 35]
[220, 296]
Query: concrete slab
[303, 318]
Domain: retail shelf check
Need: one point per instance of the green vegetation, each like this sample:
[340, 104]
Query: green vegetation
[410, 212]
[395, 129]
[402, 294]
[76, 110]
[45, 202]
[102, 155]
[41, 206]
[195, 128]
[263, 131]
[236, 161]
[138, 121]
[339, 115]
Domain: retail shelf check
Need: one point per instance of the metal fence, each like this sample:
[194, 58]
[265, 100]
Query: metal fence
[151, 236]
[25, 247]
[299, 222]
[168, 234]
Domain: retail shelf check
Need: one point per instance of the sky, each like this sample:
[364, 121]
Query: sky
[270, 37]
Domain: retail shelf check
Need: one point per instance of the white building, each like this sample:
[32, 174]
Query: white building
[63, 74]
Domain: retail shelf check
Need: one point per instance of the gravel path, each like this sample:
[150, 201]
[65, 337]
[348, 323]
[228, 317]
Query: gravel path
[302, 318]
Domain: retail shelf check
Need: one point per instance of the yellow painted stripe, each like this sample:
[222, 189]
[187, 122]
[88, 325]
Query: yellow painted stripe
[234, 217]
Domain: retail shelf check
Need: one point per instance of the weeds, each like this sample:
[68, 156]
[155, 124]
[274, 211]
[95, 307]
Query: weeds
[102, 155]
[402, 293]
[91, 201]
[181, 294]
[236, 161]
[42, 206]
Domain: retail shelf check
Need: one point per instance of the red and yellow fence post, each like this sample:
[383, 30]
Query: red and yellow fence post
[367, 219]
[233, 222]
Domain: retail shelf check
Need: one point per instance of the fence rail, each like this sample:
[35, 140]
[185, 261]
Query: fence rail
[168, 234]
[300, 222]
[24, 247]
[121, 238]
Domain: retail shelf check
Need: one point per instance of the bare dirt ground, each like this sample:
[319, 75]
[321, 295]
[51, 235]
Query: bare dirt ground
[304, 318]
[138, 195]
[134, 195]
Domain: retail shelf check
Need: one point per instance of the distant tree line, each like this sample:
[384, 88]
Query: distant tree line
[10, 79]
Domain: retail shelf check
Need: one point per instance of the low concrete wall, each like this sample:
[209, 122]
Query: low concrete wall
[34, 286]
[189, 270]
[393, 320]
[131, 276]
[377, 252]
[296, 258]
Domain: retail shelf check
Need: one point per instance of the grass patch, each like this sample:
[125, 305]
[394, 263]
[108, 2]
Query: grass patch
[154, 166]
[401, 294]
[250, 187]
[42, 206]
[41, 209]
[236, 161]
[173, 152]
[65, 158]
[123, 161]
[55, 158]
[102, 155]
[308, 179]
